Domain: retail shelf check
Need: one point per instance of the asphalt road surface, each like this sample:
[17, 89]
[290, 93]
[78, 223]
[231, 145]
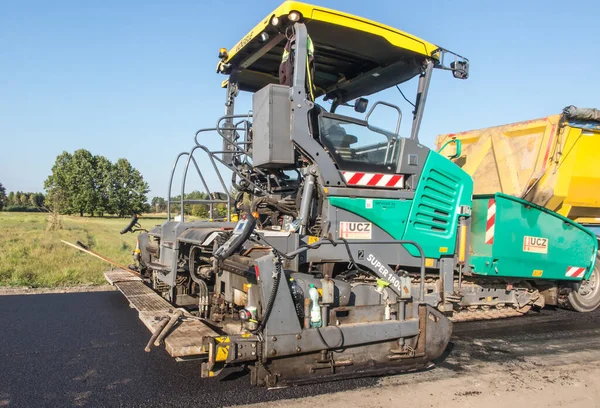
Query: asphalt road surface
[87, 349]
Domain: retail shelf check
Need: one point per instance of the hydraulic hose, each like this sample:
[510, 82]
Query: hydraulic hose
[224, 252]
[129, 227]
[271, 301]
[329, 347]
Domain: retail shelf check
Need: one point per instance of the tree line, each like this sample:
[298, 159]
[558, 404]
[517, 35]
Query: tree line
[82, 183]
[22, 201]
[159, 205]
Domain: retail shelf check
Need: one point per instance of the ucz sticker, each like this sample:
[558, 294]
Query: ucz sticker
[535, 244]
[355, 230]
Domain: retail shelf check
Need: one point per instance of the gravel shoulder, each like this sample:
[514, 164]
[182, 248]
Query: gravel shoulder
[532, 382]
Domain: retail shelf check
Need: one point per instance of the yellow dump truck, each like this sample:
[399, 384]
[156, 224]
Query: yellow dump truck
[553, 161]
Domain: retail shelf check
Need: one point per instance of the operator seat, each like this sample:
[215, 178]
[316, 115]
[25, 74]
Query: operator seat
[336, 139]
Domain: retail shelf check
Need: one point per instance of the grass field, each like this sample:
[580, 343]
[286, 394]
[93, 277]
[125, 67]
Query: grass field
[32, 256]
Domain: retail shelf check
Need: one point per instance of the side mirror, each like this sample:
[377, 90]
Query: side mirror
[360, 105]
[460, 69]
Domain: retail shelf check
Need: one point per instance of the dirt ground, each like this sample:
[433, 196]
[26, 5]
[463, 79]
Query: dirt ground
[570, 381]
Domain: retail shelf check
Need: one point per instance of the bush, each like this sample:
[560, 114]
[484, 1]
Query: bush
[21, 208]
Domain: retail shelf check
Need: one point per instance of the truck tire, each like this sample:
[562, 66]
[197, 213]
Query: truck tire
[585, 297]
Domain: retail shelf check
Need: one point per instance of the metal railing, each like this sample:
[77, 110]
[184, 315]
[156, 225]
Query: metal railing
[240, 152]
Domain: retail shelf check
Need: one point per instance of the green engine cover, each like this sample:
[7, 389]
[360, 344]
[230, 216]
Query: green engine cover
[430, 218]
[511, 237]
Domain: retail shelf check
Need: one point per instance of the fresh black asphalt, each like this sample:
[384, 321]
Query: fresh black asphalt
[87, 349]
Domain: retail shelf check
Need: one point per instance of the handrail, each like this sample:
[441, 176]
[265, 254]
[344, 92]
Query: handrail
[171, 184]
[218, 128]
[239, 150]
[208, 191]
[234, 116]
[200, 201]
[203, 183]
[458, 148]
[389, 105]
[187, 166]
[201, 131]
[233, 128]
[213, 156]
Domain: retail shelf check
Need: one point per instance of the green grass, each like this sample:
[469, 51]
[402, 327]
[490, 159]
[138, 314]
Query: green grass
[32, 256]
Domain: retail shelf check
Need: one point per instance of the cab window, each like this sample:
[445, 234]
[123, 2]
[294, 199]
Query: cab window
[356, 147]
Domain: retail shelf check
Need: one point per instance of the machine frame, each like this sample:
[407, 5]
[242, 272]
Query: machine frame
[331, 272]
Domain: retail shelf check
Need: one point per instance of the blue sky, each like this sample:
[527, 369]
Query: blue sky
[135, 79]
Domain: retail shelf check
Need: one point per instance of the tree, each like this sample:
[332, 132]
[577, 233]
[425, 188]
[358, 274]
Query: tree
[103, 182]
[2, 196]
[158, 204]
[59, 184]
[36, 200]
[199, 210]
[83, 183]
[22, 198]
[128, 189]
[11, 199]
[74, 176]
[84, 195]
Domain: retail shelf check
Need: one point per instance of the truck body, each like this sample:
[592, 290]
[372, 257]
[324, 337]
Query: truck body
[551, 161]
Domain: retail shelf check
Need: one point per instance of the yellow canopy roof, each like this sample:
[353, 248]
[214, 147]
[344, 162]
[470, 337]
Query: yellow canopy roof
[353, 56]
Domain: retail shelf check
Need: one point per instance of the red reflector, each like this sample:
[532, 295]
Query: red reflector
[256, 271]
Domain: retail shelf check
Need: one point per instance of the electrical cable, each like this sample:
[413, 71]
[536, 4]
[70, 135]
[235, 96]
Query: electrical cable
[405, 98]
[271, 301]
[357, 266]
[317, 245]
[337, 347]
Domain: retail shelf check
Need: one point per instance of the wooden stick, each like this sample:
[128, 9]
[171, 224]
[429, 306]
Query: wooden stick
[97, 255]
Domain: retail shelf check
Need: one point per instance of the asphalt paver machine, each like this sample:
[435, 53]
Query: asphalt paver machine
[355, 247]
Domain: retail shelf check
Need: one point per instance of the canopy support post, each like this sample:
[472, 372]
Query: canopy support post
[424, 81]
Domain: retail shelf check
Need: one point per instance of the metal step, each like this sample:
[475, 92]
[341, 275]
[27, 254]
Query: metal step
[119, 275]
[185, 340]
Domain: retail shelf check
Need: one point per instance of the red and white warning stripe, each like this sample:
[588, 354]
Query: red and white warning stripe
[355, 178]
[491, 222]
[574, 272]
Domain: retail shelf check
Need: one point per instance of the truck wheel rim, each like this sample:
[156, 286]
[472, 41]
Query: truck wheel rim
[589, 289]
